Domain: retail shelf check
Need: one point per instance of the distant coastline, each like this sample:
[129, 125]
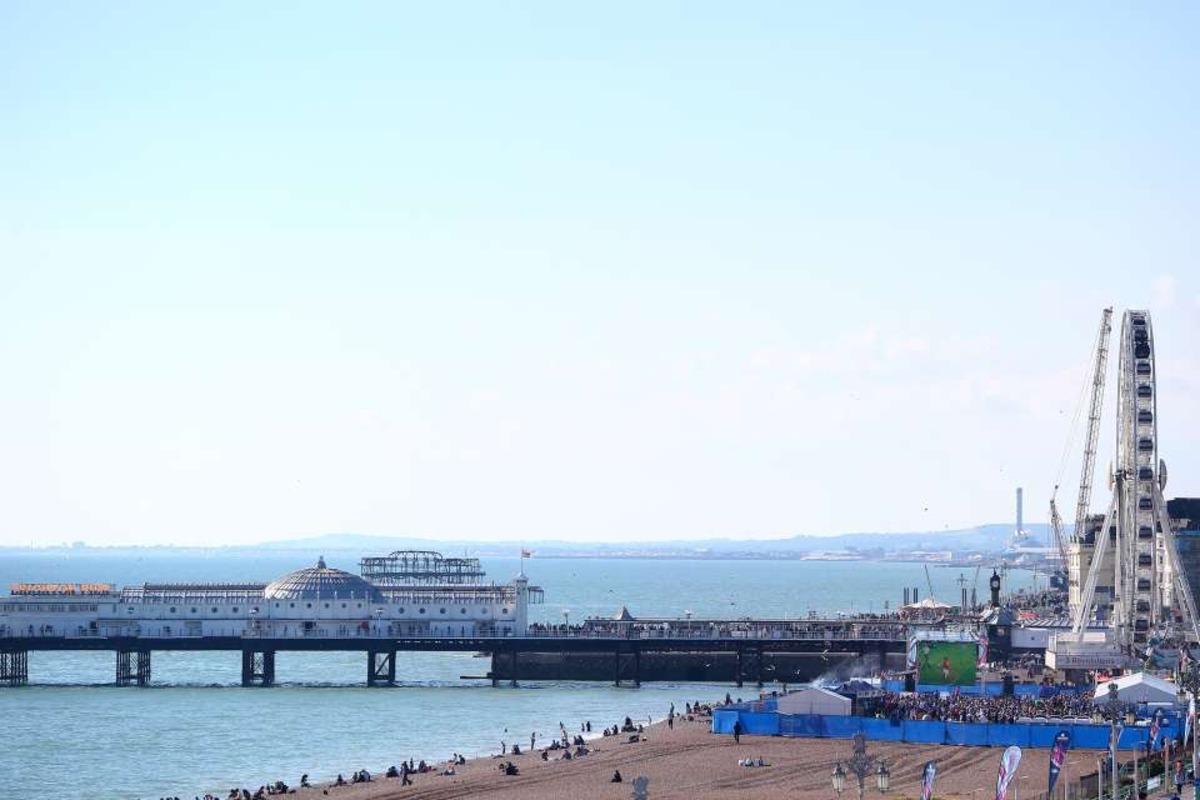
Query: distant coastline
[941, 558]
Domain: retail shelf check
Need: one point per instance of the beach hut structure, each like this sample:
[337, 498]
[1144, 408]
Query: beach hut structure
[1140, 687]
[814, 700]
[864, 697]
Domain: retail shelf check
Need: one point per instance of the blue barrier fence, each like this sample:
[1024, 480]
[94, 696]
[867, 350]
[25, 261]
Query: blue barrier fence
[1087, 736]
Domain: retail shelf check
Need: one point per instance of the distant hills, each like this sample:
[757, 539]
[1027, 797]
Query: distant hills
[980, 539]
[983, 539]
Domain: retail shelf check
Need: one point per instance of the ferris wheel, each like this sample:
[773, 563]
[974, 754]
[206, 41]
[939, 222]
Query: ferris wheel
[1150, 590]
[1141, 567]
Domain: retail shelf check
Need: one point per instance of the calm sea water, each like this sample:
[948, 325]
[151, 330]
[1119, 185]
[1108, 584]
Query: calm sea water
[71, 735]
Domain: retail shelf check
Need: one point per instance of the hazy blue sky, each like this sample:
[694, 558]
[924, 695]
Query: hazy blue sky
[622, 271]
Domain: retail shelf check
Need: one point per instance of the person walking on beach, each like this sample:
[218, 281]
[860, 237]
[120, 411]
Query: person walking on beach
[532, 741]
[737, 731]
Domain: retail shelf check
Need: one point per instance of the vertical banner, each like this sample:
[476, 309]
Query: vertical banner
[1008, 768]
[927, 780]
[1191, 719]
[1057, 756]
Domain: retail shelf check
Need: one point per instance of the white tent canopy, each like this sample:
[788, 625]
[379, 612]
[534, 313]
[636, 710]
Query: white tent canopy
[1139, 688]
[927, 604]
[814, 700]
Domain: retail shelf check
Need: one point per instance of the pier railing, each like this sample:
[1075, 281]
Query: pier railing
[351, 629]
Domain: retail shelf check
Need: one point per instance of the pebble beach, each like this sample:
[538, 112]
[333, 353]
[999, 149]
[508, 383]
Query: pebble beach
[688, 761]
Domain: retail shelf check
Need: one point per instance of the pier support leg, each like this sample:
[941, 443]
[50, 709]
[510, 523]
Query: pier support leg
[513, 674]
[133, 667]
[628, 666]
[381, 668]
[738, 676]
[258, 667]
[14, 667]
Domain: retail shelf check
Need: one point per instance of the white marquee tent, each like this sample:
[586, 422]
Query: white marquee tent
[1139, 688]
[814, 700]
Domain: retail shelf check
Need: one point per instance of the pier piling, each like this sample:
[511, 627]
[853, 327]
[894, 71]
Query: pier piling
[133, 667]
[258, 667]
[14, 667]
[381, 668]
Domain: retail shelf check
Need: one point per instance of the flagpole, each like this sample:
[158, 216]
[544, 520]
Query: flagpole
[1189, 735]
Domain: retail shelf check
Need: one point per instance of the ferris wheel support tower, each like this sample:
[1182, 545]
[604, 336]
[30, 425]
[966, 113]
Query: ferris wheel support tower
[1150, 591]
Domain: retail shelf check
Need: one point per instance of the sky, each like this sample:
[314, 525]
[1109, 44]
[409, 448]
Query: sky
[587, 272]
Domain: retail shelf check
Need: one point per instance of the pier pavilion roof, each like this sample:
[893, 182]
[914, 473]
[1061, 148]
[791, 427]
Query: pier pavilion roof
[320, 582]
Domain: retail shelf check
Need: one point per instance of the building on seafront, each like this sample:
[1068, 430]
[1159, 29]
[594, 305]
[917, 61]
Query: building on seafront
[408, 593]
[1184, 516]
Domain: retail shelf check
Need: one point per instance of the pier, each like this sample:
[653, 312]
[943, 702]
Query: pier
[625, 652]
[417, 601]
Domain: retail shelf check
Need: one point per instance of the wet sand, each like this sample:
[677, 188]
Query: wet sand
[693, 763]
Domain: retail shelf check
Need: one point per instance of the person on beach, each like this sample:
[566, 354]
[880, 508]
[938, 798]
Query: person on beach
[616, 778]
[737, 732]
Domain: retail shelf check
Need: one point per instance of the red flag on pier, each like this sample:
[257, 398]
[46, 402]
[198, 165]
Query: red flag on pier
[526, 553]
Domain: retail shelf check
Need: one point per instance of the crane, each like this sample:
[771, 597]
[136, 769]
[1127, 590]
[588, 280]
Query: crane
[1093, 429]
[1083, 610]
[1060, 536]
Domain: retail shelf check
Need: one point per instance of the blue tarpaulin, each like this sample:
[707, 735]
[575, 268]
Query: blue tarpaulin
[1038, 735]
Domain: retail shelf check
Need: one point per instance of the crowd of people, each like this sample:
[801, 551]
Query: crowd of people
[564, 747]
[970, 708]
[889, 627]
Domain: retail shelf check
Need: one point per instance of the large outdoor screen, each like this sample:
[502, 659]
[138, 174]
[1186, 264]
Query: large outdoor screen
[949, 663]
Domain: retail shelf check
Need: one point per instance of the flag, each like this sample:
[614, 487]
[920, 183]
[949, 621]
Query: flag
[526, 553]
[1057, 756]
[927, 780]
[1153, 730]
[1008, 768]
[983, 650]
[1191, 719]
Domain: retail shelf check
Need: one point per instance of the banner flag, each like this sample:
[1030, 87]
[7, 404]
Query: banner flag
[1191, 719]
[1008, 768]
[1057, 756]
[927, 780]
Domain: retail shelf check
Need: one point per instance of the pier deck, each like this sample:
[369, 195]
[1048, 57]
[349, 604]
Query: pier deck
[258, 652]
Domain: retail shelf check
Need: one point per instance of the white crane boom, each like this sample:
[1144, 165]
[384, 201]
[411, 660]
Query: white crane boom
[1093, 430]
[1060, 537]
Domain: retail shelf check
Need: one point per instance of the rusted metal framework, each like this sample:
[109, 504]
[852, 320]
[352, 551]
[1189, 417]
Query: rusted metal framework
[420, 568]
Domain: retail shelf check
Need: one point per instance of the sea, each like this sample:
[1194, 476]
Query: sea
[70, 733]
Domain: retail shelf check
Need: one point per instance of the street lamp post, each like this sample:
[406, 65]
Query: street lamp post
[860, 765]
[566, 622]
[1114, 713]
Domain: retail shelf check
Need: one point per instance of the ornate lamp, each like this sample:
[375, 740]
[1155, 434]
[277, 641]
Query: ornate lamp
[839, 778]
